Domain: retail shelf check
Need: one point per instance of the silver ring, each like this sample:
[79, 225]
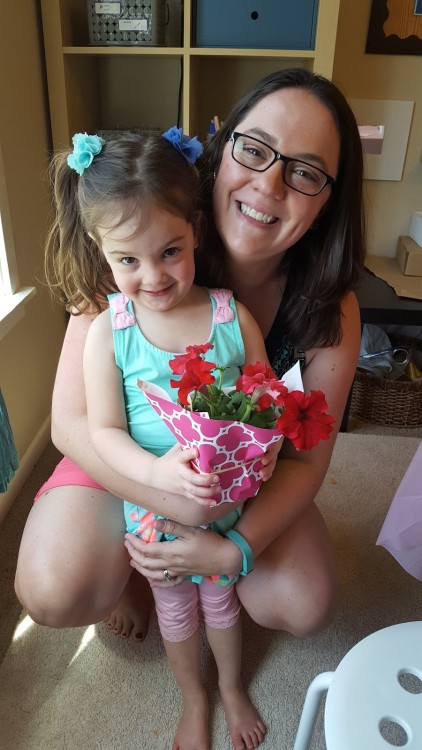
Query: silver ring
[167, 576]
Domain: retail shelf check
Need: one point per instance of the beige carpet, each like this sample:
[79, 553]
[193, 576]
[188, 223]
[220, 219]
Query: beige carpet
[83, 688]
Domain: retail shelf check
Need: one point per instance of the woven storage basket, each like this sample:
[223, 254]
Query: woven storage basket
[392, 403]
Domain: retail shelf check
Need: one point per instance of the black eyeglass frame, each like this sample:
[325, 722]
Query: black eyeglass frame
[234, 135]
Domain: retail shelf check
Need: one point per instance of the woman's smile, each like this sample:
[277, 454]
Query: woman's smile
[258, 216]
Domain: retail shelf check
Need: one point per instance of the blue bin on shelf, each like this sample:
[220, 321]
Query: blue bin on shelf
[255, 24]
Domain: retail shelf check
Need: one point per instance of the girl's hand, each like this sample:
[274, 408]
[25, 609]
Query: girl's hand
[269, 460]
[195, 551]
[173, 473]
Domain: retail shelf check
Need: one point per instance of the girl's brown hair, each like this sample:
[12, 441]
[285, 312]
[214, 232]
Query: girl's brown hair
[131, 174]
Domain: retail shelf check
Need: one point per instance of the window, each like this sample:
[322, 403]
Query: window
[12, 295]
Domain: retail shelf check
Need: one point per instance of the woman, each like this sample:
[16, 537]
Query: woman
[287, 206]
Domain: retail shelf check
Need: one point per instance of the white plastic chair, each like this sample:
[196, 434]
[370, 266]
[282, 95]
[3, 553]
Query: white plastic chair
[374, 697]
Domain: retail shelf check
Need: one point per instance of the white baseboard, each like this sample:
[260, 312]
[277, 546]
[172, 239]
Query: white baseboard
[26, 464]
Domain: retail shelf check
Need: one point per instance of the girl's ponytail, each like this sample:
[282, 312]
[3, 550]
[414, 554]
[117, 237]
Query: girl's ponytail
[75, 269]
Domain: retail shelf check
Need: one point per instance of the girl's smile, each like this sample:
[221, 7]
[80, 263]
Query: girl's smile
[153, 265]
[158, 293]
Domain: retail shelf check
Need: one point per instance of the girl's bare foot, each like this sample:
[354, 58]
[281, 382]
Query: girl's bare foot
[192, 732]
[246, 728]
[131, 614]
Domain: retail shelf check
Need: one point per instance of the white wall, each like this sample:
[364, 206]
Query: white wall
[395, 77]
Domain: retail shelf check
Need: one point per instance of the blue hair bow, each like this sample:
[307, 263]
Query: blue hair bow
[191, 148]
[85, 147]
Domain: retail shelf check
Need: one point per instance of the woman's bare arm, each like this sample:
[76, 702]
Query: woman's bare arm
[299, 475]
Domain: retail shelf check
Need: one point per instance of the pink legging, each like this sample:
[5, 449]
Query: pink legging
[178, 608]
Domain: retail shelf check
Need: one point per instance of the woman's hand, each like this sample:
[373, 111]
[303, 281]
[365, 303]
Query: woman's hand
[195, 551]
[269, 460]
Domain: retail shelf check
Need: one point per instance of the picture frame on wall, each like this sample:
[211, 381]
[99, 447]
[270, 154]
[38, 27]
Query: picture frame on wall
[395, 28]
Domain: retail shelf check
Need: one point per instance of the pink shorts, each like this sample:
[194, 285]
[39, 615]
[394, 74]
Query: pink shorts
[67, 474]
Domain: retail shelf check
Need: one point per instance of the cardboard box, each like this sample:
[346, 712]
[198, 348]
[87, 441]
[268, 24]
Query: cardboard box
[409, 256]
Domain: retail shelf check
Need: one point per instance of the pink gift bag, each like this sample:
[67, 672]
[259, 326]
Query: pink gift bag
[231, 449]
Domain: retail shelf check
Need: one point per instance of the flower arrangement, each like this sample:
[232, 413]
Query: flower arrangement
[232, 428]
[259, 399]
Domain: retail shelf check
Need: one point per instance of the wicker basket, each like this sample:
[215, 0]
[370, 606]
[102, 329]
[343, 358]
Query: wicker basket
[392, 403]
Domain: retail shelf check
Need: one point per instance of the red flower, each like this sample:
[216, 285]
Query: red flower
[264, 398]
[259, 399]
[278, 392]
[255, 376]
[178, 362]
[304, 420]
[264, 402]
[197, 373]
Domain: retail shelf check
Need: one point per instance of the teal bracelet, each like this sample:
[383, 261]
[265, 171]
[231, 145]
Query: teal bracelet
[247, 554]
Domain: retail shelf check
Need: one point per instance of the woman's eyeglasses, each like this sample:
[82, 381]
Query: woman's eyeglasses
[258, 156]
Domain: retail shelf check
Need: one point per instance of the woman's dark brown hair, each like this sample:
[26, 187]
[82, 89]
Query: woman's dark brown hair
[325, 264]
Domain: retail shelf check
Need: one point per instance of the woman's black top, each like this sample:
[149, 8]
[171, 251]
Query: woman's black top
[282, 354]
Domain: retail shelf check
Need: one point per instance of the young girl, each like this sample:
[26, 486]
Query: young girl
[137, 207]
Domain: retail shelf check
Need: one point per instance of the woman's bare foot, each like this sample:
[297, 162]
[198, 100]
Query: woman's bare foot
[246, 728]
[131, 615]
[192, 732]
